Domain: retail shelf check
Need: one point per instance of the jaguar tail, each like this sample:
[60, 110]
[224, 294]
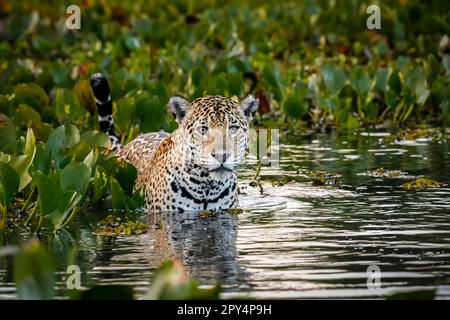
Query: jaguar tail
[102, 94]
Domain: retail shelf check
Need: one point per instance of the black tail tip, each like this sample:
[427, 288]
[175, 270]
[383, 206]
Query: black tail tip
[100, 87]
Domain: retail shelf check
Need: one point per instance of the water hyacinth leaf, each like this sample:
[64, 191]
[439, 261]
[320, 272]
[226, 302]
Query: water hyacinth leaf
[124, 113]
[235, 84]
[294, 107]
[152, 113]
[9, 184]
[42, 158]
[75, 177]
[126, 175]
[34, 273]
[91, 160]
[22, 164]
[30, 144]
[395, 83]
[7, 135]
[132, 43]
[100, 185]
[391, 99]
[67, 106]
[31, 94]
[433, 66]
[334, 77]
[118, 198]
[96, 138]
[196, 76]
[273, 77]
[69, 200]
[159, 89]
[49, 193]
[26, 116]
[78, 152]
[360, 81]
[352, 122]
[382, 79]
[446, 62]
[61, 139]
[84, 94]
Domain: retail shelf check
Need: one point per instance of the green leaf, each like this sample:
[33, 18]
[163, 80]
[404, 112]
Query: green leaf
[42, 158]
[30, 144]
[96, 138]
[75, 177]
[84, 94]
[34, 273]
[382, 79]
[152, 113]
[124, 113]
[67, 106]
[391, 99]
[352, 122]
[9, 184]
[7, 135]
[360, 81]
[118, 199]
[26, 116]
[22, 164]
[49, 193]
[69, 200]
[294, 107]
[100, 185]
[61, 139]
[395, 83]
[333, 77]
[31, 94]
[126, 175]
[235, 84]
[273, 77]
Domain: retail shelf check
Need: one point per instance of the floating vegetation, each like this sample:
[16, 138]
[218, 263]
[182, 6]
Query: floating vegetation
[282, 181]
[383, 173]
[112, 226]
[207, 214]
[421, 184]
[319, 178]
[411, 134]
[234, 211]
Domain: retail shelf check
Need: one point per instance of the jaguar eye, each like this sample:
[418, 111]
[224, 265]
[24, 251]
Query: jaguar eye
[233, 129]
[202, 130]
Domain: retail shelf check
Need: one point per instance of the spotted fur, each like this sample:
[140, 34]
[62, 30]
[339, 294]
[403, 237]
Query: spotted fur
[194, 168]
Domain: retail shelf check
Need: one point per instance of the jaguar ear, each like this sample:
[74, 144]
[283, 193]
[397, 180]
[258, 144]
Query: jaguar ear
[249, 105]
[179, 106]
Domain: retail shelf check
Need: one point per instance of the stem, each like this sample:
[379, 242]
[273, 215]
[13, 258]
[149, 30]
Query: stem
[39, 224]
[32, 212]
[25, 205]
[72, 215]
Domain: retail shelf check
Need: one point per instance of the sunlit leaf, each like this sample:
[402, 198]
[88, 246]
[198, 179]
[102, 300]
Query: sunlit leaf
[34, 272]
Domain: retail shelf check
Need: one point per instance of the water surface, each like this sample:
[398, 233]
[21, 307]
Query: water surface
[295, 240]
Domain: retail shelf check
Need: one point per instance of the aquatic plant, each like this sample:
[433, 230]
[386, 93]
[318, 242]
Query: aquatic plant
[421, 184]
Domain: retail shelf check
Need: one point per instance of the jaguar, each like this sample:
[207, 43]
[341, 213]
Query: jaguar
[194, 167]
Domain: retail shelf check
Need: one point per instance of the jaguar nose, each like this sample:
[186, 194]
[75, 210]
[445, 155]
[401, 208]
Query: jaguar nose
[220, 156]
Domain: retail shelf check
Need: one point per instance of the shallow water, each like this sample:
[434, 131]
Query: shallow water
[295, 240]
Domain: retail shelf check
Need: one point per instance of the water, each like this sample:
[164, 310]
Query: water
[296, 240]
